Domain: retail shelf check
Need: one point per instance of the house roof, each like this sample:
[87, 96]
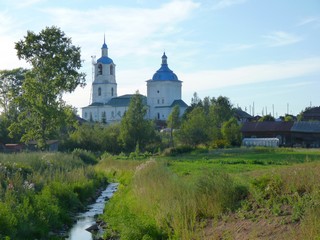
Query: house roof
[121, 101]
[267, 126]
[238, 112]
[179, 102]
[304, 126]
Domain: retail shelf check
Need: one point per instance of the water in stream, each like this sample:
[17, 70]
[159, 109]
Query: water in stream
[87, 219]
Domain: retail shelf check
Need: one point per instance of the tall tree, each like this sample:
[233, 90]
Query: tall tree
[194, 129]
[135, 129]
[231, 132]
[173, 121]
[220, 111]
[10, 87]
[55, 63]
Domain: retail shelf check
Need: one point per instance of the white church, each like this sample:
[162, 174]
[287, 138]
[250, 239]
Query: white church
[163, 93]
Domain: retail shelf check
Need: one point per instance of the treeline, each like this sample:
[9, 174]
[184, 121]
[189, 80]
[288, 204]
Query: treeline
[208, 122]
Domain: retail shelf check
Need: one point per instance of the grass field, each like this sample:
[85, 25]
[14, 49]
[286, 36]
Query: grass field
[254, 193]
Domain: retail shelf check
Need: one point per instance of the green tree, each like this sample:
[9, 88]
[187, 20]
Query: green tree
[10, 87]
[55, 63]
[194, 129]
[267, 118]
[288, 118]
[135, 130]
[173, 121]
[220, 111]
[231, 132]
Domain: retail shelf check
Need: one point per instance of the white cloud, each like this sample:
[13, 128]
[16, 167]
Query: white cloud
[309, 20]
[227, 3]
[280, 38]
[27, 3]
[133, 28]
[237, 47]
[251, 74]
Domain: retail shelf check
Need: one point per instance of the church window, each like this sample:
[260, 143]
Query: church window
[112, 114]
[103, 117]
[111, 70]
[158, 91]
[158, 101]
[158, 115]
[99, 91]
[119, 113]
[111, 91]
[100, 69]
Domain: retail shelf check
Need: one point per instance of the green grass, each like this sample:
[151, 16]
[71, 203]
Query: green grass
[173, 197]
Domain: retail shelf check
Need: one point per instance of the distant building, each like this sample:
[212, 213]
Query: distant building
[242, 116]
[306, 134]
[163, 93]
[311, 114]
[280, 130]
[290, 134]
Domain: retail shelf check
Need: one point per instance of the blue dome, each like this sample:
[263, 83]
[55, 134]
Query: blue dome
[164, 73]
[104, 45]
[105, 60]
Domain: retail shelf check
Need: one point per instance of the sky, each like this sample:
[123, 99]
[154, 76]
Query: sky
[261, 53]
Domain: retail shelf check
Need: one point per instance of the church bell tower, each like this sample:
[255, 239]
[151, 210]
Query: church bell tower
[104, 86]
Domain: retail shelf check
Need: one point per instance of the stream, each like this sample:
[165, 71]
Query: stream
[87, 219]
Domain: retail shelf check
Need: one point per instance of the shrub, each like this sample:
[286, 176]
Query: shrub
[217, 193]
[177, 150]
[85, 155]
[220, 143]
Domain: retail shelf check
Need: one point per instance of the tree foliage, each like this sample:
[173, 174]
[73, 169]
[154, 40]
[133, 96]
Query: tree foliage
[55, 63]
[173, 121]
[267, 118]
[231, 132]
[135, 129]
[10, 87]
[194, 129]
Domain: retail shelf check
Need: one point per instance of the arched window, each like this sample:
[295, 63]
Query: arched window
[100, 69]
[111, 69]
[103, 117]
[158, 115]
[99, 91]
[111, 91]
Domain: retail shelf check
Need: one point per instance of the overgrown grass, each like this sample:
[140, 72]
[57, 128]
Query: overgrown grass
[173, 197]
[39, 191]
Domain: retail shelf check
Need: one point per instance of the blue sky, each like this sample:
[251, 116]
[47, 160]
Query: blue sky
[261, 51]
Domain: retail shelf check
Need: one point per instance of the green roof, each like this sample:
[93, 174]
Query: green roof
[121, 101]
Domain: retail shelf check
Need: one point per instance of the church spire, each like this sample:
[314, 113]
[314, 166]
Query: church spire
[104, 49]
[164, 59]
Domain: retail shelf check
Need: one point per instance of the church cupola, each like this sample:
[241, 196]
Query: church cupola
[164, 73]
[104, 49]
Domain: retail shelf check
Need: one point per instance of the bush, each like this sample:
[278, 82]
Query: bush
[86, 156]
[217, 193]
[220, 143]
[177, 150]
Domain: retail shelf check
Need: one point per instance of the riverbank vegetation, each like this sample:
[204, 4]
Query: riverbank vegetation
[40, 192]
[228, 194]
